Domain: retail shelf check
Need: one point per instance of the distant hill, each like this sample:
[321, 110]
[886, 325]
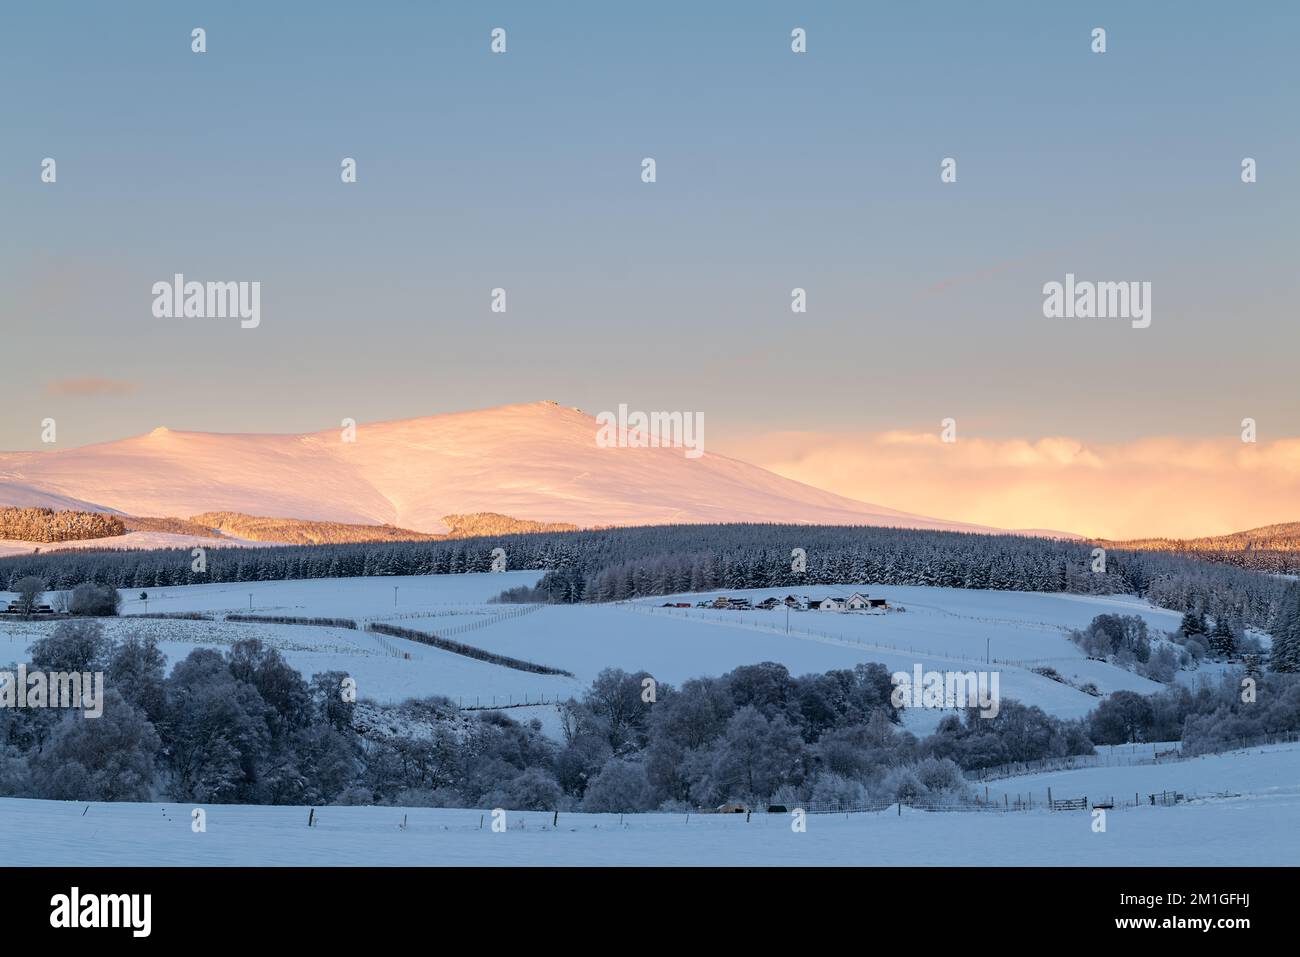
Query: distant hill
[538, 462]
[1271, 548]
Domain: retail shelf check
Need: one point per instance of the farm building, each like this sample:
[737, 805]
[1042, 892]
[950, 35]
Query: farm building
[826, 604]
[855, 602]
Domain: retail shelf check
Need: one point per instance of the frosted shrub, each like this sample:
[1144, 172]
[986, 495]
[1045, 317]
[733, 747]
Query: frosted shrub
[941, 776]
[838, 792]
[902, 784]
[534, 789]
[88, 598]
[619, 787]
[1162, 666]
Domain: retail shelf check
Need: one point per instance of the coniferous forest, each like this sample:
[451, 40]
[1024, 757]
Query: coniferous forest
[617, 564]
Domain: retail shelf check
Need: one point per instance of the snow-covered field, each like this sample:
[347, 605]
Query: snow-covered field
[1241, 804]
[1240, 830]
[332, 597]
[941, 629]
[1265, 772]
[369, 659]
[1242, 801]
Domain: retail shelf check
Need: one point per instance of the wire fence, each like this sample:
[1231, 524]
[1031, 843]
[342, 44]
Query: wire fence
[442, 612]
[1173, 751]
[503, 702]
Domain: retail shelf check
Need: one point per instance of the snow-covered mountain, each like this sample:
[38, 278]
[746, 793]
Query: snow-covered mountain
[536, 461]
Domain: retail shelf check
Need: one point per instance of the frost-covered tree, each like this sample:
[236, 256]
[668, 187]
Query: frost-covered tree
[90, 598]
[1285, 653]
[1222, 641]
[1123, 717]
[30, 588]
[79, 646]
[831, 791]
[108, 758]
[137, 670]
[755, 756]
[621, 786]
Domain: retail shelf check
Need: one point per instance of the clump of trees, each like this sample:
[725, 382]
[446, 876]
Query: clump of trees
[242, 726]
[1122, 637]
[48, 525]
[1127, 641]
[1284, 655]
[1213, 717]
[90, 598]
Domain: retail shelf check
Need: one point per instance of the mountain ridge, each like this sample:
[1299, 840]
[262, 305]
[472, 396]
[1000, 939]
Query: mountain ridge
[534, 461]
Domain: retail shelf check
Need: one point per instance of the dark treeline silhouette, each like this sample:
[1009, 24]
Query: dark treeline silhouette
[616, 564]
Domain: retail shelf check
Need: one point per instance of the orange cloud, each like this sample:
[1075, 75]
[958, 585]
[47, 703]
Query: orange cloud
[90, 386]
[1160, 486]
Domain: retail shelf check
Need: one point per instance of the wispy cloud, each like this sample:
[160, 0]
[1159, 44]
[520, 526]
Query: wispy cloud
[91, 386]
[1163, 485]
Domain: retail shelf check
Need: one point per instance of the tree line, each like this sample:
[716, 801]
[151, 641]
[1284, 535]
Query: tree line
[617, 564]
[47, 525]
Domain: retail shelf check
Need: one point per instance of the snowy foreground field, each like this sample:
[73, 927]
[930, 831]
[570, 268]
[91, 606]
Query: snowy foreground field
[1242, 808]
[1259, 826]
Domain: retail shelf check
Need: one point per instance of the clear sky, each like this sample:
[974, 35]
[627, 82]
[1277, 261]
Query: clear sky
[775, 170]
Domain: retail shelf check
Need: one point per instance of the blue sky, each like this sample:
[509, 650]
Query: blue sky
[775, 170]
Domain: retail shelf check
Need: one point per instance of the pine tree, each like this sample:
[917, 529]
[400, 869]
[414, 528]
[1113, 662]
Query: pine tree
[1285, 655]
[1222, 642]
